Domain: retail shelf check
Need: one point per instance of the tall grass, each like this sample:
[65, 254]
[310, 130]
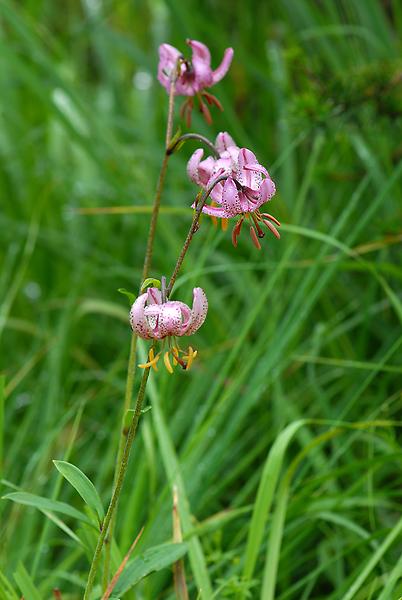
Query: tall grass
[283, 439]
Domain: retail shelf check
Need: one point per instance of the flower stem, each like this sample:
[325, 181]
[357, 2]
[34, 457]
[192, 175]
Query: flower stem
[119, 484]
[192, 231]
[193, 136]
[133, 345]
[159, 187]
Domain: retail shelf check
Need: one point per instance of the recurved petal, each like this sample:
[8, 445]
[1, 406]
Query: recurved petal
[198, 312]
[174, 317]
[257, 168]
[223, 142]
[230, 198]
[223, 68]
[168, 56]
[267, 190]
[215, 211]
[138, 321]
[246, 157]
[154, 296]
[249, 171]
[205, 170]
[193, 166]
[201, 61]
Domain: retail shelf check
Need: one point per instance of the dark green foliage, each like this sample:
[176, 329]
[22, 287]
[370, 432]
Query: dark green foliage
[308, 328]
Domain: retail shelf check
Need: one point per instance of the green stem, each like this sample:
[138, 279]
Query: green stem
[193, 229]
[193, 136]
[118, 487]
[133, 346]
[159, 188]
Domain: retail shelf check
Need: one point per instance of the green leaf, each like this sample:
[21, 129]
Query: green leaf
[25, 583]
[265, 495]
[131, 297]
[150, 282]
[82, 484]
[63, 526]
[7, 589]
[153, 559]
[46, 505]
[173, 141]
[369, 568]
[2, 397]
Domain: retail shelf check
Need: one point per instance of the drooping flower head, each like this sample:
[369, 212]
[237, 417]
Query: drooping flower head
[192, 77]
[247, 187]
[152, 318]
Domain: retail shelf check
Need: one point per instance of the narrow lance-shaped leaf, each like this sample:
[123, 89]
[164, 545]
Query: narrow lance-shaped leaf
[153, 559]
[82, 484]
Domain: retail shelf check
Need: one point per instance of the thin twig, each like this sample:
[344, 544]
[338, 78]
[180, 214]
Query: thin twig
[119, 571]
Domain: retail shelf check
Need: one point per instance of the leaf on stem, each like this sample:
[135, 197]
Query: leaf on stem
[82, 484]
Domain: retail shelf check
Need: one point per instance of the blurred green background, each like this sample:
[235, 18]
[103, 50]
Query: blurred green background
[308, 328]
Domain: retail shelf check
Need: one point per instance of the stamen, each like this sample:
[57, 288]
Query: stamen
[212, 100]
[255, 238]
[175, 353]
[234, 236]
[260, 232]
[191, 356]
[205, 111]
[152, 361]
[224, 224]
[267, 216]
[167, 363]
[236, 231]
[272, 228]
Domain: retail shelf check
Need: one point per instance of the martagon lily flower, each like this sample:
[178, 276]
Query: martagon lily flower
[192, 76]
[248, 186]
[154, 319]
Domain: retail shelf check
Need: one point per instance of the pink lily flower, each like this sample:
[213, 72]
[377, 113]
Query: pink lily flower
[202, 171]
[152, 318]
[193, 76]
[246, 189]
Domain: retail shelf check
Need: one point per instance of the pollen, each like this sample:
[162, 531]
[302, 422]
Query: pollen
[152, 360]
[167, 362]
[190, 357]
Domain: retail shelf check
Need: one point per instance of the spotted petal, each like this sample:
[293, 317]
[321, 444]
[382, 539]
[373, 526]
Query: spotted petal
[198, 312]
[154, 296]
[249, 171]
[215, 211]
[167, 319]
[230, 198]
[267, 190]
[138, 321]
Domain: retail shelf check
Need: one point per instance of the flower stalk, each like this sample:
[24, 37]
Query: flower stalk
[119, 484]
[192, 136]
[199, 205]
[153, 315]
[133, 344]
